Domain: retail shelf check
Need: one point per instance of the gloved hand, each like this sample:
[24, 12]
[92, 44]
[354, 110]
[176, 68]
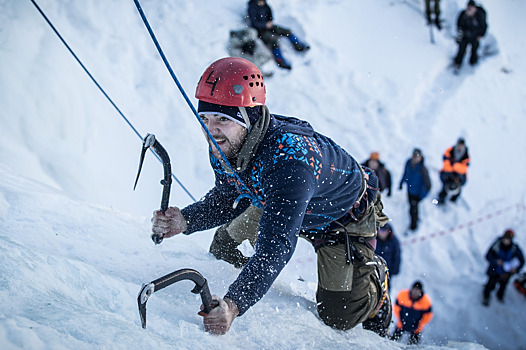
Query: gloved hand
[415, 338]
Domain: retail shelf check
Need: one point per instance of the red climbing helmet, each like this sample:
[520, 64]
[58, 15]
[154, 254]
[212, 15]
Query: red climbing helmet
[232, 81]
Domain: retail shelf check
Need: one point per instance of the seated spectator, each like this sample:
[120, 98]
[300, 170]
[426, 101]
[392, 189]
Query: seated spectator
[260, 16]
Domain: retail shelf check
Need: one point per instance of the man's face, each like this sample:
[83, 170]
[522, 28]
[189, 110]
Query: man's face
[229, 135]
[470, 11]
[416, 293]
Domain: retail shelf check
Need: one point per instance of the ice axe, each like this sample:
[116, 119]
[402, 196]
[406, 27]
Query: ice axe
[201, 287]
[149, 141]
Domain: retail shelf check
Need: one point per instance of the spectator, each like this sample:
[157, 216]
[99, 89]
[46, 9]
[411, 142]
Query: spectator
[505, 259]
[260, 16]
[471, 26]
[384, 176]
[435, 11]
[388, 247]
[414, 311]
[454, 171]
[245, 43]
[418, 183]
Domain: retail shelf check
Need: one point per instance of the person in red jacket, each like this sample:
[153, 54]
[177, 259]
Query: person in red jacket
[413, 311]
[454, 171]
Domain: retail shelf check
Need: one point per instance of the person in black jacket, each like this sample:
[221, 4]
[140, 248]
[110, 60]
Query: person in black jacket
[505, 259]
[277, 179]
[384, 176]
[472, 26]
[260, 16]
[388, 247]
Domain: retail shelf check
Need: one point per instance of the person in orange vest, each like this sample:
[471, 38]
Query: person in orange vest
[454, 171]
[413, 311]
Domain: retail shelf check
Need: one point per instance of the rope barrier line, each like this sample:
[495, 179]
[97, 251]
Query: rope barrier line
[462, 226]
[104, 92]
[194, 111]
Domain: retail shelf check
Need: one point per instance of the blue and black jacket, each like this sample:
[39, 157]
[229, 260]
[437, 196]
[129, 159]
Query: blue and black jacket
[301, 179]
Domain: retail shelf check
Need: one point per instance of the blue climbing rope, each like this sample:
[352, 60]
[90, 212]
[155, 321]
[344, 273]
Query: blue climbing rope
[103, 92]
[181, 89]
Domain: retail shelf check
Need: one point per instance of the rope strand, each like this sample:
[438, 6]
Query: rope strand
[104, 92]
[194, 111]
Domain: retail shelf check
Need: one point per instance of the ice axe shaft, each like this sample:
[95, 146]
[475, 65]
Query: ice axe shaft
[201, 287]
[149, 141]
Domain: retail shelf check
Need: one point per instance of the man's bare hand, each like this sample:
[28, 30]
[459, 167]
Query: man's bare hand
[219, 320]
[168, 224]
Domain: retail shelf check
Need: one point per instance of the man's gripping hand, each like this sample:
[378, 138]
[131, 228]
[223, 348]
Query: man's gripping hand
[220, 318]
[169, 223]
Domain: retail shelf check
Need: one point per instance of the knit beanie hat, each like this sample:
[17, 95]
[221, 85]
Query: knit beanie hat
[230, 112]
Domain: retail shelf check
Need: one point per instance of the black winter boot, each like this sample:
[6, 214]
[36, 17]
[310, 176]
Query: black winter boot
[380, 320]
[224, 247]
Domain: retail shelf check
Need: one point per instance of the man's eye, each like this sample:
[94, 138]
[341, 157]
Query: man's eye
[224, 119]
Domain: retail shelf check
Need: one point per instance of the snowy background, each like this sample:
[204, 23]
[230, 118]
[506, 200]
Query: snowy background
[75, 242]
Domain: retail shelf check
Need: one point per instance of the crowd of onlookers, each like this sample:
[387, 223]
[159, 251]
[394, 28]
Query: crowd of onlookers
[259, 42]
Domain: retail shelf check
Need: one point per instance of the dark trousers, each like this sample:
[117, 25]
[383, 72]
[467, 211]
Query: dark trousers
[502, 280]
[436, 9]
[413, 210]
[462, 46]
[271, 36]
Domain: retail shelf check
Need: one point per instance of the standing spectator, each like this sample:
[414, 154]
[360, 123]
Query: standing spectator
[388, 247]
[418, 184]
[471, 26]
[435, 11]
[384, 176]
[454, 171]
[505, 259]
[414, 311]
[260, 16]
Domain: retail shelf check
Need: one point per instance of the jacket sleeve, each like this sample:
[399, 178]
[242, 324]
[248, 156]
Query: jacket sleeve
[388, 181]
[395, 263]
[427, 180]
[520, 256]
[402, 180]
[287, 191]
[396, 312]
[426, 317]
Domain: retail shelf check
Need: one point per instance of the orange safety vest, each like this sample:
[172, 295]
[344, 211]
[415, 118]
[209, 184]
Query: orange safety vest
[412, 315]
[451, 166]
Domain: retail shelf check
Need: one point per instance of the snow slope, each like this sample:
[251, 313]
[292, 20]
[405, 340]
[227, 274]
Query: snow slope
[74, 237]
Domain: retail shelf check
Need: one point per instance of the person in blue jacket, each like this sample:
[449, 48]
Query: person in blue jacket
[505, 259]
[277, 179]
[388, 247]
[418, 183]
[260, 16]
